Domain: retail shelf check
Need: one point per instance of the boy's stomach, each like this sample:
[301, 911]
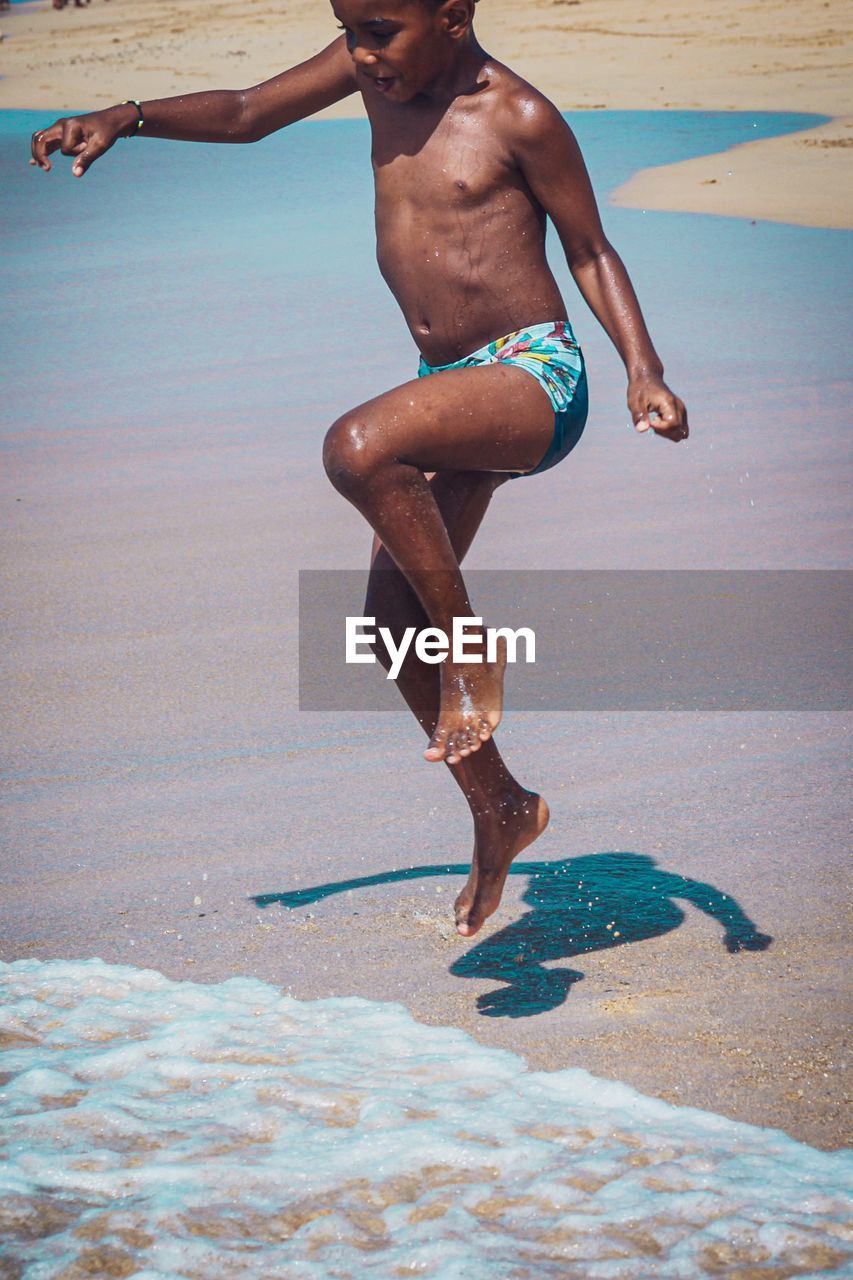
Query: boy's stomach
[455, 302]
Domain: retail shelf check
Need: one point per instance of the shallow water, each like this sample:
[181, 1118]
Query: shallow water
[167, 1129]
[181, 281]
[200, 314]
[186, 313]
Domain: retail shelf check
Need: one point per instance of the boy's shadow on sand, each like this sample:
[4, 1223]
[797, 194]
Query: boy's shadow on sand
[578, 905]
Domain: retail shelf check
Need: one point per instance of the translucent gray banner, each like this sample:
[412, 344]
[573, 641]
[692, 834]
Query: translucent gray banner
[617, 640]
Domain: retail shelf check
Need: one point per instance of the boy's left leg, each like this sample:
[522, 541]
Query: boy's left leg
[490, 418]
[507, 817]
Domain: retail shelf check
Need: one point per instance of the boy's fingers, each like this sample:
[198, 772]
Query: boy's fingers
[37, 153]
[87, 156]
[655, 408]
[42, 143]
[671, 420]
[72, 136]
[679, 431]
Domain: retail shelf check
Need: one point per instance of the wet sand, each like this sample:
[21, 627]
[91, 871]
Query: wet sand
[163, 848]
[160, 779]
[582, 53]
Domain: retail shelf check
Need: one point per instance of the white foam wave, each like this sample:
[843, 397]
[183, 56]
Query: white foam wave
[164, 1129]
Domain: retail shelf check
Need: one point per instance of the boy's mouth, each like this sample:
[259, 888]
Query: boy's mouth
[383, 83]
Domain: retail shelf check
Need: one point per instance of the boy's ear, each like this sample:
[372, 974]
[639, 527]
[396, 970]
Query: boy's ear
[458, 17]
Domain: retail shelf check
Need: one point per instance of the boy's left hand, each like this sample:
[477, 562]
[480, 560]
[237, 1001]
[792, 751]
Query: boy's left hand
[653, 406]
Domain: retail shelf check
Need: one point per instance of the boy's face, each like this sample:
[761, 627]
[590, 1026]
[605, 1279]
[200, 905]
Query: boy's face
[399, 47]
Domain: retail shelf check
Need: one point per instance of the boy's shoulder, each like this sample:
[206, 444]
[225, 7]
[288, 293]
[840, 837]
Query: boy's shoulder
[521, 110]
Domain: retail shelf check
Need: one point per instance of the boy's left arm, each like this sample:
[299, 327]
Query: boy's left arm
[550, 159]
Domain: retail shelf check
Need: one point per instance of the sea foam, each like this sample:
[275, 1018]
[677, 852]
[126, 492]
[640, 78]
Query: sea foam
[168, 1129]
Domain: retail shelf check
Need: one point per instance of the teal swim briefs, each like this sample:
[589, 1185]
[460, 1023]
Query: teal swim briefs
[550, 353]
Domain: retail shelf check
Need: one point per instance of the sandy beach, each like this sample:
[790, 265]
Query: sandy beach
[166, 797]
[776, 56]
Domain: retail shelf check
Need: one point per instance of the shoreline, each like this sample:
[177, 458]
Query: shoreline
[735, 60]
[803, 179]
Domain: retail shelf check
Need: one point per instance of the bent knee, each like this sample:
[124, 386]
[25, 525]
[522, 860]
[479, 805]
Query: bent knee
[351, 451]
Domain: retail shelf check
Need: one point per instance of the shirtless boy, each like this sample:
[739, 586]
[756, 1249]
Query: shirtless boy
[468, 160]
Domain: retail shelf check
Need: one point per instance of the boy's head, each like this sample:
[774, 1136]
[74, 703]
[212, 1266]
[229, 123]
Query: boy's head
[401, 47]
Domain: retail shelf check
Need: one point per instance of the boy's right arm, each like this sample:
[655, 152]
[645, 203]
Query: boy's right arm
[221, 115]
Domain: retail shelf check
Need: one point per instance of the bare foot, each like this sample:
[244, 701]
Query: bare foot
[501, 834]
[472, 695]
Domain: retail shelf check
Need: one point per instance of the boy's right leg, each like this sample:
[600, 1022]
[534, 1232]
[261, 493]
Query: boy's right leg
[507, 817]
[489, 418]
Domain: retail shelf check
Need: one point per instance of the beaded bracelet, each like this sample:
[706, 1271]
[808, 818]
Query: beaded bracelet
[134, 102]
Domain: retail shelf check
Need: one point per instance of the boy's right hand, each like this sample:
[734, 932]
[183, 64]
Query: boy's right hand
[84, 137]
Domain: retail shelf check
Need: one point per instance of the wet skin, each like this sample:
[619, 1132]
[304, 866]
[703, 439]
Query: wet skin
[469, 161]
[464, 153]
[461, 244]
[507, 817]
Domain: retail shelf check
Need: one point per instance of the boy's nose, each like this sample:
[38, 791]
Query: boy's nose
[363, 57]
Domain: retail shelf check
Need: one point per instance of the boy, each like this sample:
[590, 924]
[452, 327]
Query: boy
[468, 161]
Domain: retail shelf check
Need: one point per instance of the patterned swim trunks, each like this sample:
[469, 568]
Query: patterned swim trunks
[550, 353]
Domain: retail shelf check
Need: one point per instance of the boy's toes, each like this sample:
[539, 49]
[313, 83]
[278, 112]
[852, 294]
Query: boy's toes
[453, 747]
[469, 925]
[485, 731]
[438, 747]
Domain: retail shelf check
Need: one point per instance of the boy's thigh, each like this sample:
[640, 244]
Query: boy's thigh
[493, 417]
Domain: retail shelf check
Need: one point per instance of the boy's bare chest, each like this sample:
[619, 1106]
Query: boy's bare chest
[455, 165]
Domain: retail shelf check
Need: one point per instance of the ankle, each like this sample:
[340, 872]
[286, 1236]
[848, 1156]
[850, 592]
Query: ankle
[505, 801]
